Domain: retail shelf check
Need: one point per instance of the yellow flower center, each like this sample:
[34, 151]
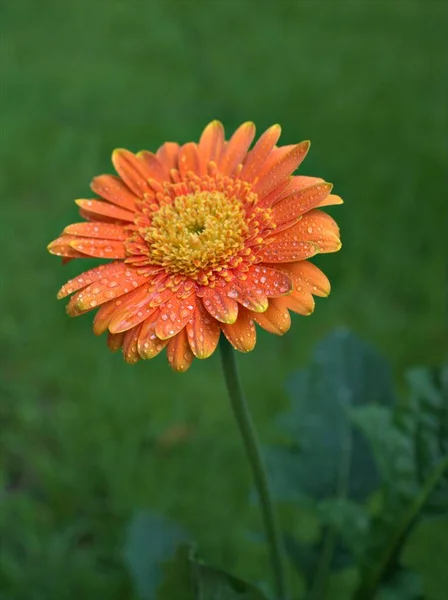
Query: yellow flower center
[196, 231]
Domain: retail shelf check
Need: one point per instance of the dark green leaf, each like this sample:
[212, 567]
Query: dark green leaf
[214, 584]
[426, 551]
[150, 541]
[326, 453]
[186, 578]
[178, 577]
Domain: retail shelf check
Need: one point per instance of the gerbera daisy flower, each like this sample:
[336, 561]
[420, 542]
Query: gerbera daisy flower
[204, 239]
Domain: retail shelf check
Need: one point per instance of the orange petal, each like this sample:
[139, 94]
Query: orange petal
[154, 168]
[91, 276]
[320, 229]
[281, 169]
[301, 302]
[203, 332]
[98, 208]
[288, 210]
[107, 289]
[178, 352]
[149, 345]
[132, 171]
[174, 315]
[331, 200]
[103, 317]
[99, 248]
[105, 231]
[134, 309]
[307, 276]
[241, 334]
[167, 154]
[113, 189]
[237, 148]
[272, 282]
[220, 306]
[211, 143]
[130, 345]
[61, 246]
[276, 319]
[257, 156]
[277, 193]
[189, 159]
[246, 294]
[300, 182]
[115, 341]
[283, 250]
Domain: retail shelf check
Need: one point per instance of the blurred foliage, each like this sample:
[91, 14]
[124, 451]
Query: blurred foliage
[388, 542]
[83, 437]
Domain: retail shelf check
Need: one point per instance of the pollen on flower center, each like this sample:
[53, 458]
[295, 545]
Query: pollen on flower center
[196, 231]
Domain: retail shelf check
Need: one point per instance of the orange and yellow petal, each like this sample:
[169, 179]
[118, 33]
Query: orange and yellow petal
[236, 148]
[289, 210]
[282, 167]
[211, 143]
[132, 171]
[220, 306]
[276, 319]
[99, 210]
[241, 334]
[115, 341]
[173, 316]
[111, 188]
[179, 352]
[104, 231]
[259, 153]
[149, 345]
[202, 331]
[130, 345]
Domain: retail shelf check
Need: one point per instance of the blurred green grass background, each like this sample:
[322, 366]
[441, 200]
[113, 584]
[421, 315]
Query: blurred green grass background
[366, 82]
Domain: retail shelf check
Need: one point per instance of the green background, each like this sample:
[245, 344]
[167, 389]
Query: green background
[366, 81]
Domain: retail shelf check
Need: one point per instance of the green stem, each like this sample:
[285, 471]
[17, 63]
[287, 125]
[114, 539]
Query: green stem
[252, 447]
[369, 588]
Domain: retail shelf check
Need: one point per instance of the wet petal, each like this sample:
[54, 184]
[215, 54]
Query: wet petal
[167, 154]
[154, 168]
[241, 334]
[115, 341]
[91, 276]
[299, 301]
[132, 171]
[133, 310]
[111, 188]
[99, 248]
[237, 148]
[220, 306]
[203, 332]
[272, 282]
[189, 160]
[288, 210]
[103, 317]
[257, 156]
[179, 353]
[61, 246]
[173, 316]
[276, 319]
[281, 169]
[211, 143]
[130, 345]
[108, 288]
[243, 292]
[307, 276]
[95, 209]
[149, 345]
[105, 231]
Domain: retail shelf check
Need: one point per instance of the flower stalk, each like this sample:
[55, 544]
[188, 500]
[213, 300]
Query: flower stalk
[252, 448]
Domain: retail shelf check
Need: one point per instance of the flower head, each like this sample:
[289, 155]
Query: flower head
[204, 238]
